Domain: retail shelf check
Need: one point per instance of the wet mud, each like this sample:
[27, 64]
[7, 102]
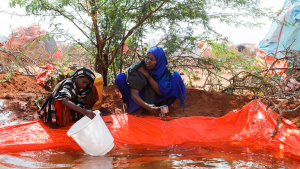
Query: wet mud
[20, 93]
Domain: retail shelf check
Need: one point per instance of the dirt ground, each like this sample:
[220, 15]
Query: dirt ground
[20, 93]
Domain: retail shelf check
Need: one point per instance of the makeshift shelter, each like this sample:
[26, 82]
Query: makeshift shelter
[248, 49]
[35, 41]
[284, 30]
[281, 35]
[207, 50]
[3, 40]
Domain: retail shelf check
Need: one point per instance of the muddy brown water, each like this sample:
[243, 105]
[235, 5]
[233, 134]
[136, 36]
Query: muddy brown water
[189, 155]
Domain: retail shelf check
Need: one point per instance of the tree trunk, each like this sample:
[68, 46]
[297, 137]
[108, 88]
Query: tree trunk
[114, 68]
[105, 57]
[99, 69]
[100, 66]
[105, 77]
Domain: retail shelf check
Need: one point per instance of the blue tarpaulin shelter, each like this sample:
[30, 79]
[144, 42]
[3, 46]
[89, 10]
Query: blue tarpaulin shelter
[3, 39]
[282, 34]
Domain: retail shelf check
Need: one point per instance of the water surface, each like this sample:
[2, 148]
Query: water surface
[189, 155]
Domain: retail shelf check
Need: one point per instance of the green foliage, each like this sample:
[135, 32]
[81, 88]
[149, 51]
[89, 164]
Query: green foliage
[37, 101]
[9, 75]
[15, 64]
[189, 74]
[108, 24]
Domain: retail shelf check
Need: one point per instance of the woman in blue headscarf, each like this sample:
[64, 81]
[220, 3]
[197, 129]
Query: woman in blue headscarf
[148, 84]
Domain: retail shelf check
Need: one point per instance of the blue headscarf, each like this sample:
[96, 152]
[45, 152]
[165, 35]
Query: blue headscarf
[161, 61]
[170, 84]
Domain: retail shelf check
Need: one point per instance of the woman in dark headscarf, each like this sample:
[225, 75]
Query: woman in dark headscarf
[148, 84]
[70, 95]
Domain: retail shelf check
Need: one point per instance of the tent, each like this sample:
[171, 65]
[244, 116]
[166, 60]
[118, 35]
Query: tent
[207, 50]
[281, 35]
[284, 30]
[3, 39]
[37, 36]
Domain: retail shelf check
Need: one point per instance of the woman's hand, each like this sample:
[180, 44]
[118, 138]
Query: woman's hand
[153, 109]
[143, 71]
[138, 100]
[89, 113]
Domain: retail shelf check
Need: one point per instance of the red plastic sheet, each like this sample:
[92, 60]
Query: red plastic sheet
[31, 33]
[41, 76]
[264, 61]
[238, 127]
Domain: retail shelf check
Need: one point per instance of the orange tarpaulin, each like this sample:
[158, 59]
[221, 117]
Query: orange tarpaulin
[41, 76]
[264, 61]
[33, 33]
[241, 126]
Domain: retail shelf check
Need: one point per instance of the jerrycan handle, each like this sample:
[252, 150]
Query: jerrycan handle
[97, 112]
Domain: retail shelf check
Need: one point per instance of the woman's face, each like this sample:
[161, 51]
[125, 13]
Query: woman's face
[150, 61]
[82, 82]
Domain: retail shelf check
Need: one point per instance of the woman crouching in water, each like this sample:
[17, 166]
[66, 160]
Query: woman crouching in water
[148, 84]
[69, 96]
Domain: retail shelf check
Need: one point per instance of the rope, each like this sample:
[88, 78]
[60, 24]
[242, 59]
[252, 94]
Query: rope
[279, 35]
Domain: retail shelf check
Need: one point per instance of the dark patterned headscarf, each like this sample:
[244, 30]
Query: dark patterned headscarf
[80, 72]
[67, 89]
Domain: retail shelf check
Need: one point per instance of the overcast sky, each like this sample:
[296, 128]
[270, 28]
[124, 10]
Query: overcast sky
[245, 35]
[236, 35]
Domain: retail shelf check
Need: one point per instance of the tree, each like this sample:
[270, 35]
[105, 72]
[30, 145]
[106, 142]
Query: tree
[108, 24]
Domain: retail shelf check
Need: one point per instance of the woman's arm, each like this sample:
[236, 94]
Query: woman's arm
[152, 82]
[138, 100]
[71, 105]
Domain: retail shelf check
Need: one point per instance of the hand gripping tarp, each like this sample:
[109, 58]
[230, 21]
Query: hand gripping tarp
[250, 126]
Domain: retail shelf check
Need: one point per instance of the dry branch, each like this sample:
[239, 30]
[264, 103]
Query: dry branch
[275, 89]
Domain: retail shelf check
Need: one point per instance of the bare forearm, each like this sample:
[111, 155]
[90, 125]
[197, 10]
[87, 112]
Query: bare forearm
[138, 100]
[72, 106]
[154, 85]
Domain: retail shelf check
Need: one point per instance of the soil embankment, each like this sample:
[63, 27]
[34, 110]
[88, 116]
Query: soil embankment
[198, 103]
[20, 93]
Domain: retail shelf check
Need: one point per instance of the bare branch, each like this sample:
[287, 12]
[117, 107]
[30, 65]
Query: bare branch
[71, 20]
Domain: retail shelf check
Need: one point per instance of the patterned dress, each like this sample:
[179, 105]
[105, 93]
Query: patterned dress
[67, 89]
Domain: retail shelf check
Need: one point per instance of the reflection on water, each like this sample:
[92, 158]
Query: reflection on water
[91, 162]
[191, 155]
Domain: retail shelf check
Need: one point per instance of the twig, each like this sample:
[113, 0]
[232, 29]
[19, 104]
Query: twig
[277, 123]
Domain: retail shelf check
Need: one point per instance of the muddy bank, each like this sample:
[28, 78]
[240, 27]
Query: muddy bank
[19, 95]
[198, 103]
